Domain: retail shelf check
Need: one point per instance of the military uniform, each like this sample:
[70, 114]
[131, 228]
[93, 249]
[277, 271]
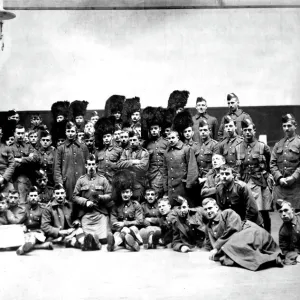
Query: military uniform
[47, 157]
[46, 195]
[209, 188]
[204, 154]
[238, 116]
[156, 151]
[150, 211]
[180, 170]
[212, 125]
[140, 170]
[107, 161]
[94, 220]
[285, 162]
[226, 148]
[18, 214]
[7, 167]
[70, 164]
[33, 217]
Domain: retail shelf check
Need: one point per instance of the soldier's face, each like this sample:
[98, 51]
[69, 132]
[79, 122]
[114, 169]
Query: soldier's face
[201, 107]
[71, 133]
[36, 121]
[173, 138]
[226, 176]
[42, 182]
[80, 137]
[117, 115]
[164, 207]
[33, 198]
[233, 104]
[126, 195]
[33, 138]
[94, 119]
[89, 127]
[155, 130]
[91, 167]
[248, 132]
[134, 141]
[107, 138]
[89, 142]
[60, 142]
[15, 117]
[3, 205]
[46, 141]
[13, 199]
[150, 196]
[117, 135]
[167, 131]
[230, 128]
[124, 138]
[179, 109]
[136, 116]
[19, 134]
[10, 141]
[188, 133]
[210, 210]
[59, 195]
[289, 128]
[184, 209]
[204, 132]
[59, 118]
[286, 213]
[217, 161]
[79, 119]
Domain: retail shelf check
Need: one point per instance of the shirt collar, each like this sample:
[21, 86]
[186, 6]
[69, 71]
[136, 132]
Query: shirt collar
[69, 143]
[55, 203]
[205, 115]
[238, 112]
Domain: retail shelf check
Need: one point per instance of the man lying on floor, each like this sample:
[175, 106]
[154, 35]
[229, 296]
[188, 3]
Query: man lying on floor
[233, 242]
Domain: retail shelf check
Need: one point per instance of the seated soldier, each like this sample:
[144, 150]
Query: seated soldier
[44, 190]
[18, 211]
[289, 236]
[232, 241]
[213, 177]
[59, 225]
[235, 194]
[188, 228]
[34, 236]
[92, 194]
[151, 219]
[126, 215]
[6, 216]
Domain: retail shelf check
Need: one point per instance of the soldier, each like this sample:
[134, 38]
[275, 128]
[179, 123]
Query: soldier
[80, 136]
[237, 114]
[26, 159]
[136, 160]
[92, 194]
[180, 170]
[178, 100]
[95, 117]
[70, 160]
[124, 137]
[126, 215]
[117, 136]
[156, 145]
[205, 151]
[6, 216]
[78, 111]
[18, 211]
[60, 111]
[235, 194]
[253, 159]
[33, 139]
[289, 236]
[36, 122]
[285, 164]
[46, 155]
[7, 166]
[132, 114]
[89, 141]
[226, 147]
[189, 228]
[34, 236]
[45, 191]
[13, 115]
[213, 177]
[201, 106]
[58, 133]
[107, 154]
[114, 107]
[89, 127]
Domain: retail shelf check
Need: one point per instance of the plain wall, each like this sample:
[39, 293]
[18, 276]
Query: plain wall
[68, 55]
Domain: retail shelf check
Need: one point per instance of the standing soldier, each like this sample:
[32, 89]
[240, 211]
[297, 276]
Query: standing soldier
[13, 115]
[237, 114]
[132, 113]
[285, 164]
[226, 147]
[60, 111]
[114, 107]
[89, 140]
[107, 153]
[201, 106]
[70, 160]
[78, 111]
[178, 100]
[253, 158]
[156, 146]
[180, 170]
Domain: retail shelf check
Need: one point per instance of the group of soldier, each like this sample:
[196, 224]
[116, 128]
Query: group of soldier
[159, 177]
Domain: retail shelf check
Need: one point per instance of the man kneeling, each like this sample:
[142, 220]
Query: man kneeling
[235, 242]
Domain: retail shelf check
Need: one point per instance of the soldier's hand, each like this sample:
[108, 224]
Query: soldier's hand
[146, 223]
[202, 180]
[119, 224]
[76, 223]
[185, 249]
[63, 232]
[282, 182]
[290, 180]
[135, 161]
[212, 254]
[1, 180]
[89, 203]
[298, 259]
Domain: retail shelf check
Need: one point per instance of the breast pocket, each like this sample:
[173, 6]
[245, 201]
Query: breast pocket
[208, 155]
[294, 154]
[99, 189]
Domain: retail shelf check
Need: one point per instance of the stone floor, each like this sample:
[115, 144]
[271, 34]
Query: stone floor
[148, 274]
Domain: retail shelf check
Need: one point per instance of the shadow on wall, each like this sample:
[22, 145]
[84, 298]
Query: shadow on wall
[266, 118]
